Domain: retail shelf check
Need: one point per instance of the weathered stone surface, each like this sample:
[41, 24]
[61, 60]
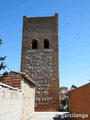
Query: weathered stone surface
[28, 99]
[42, 64]
[15, 103]
[10, 103]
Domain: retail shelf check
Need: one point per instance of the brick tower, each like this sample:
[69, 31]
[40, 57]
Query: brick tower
[40, 59]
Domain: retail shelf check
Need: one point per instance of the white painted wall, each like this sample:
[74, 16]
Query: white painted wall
[28, 99]
[10, 103]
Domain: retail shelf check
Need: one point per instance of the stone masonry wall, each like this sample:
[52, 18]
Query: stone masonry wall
[42, 64]
[10, 103]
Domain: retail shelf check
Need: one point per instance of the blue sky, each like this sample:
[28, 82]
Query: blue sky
[74, 34]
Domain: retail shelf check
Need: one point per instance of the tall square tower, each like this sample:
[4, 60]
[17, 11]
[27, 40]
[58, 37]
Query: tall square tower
[40, 59]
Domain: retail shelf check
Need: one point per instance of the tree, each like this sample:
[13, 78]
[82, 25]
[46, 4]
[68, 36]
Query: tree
[2, 66]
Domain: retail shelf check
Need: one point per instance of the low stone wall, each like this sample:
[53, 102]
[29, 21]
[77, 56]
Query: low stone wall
[10, 103]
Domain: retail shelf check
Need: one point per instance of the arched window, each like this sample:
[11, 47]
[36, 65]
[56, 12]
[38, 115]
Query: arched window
[34, 44]
[46, 44]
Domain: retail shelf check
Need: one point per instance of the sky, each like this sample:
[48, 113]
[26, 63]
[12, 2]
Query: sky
[74, 35]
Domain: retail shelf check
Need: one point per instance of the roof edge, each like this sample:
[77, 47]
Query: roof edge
[79, 87]
[23, 75]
